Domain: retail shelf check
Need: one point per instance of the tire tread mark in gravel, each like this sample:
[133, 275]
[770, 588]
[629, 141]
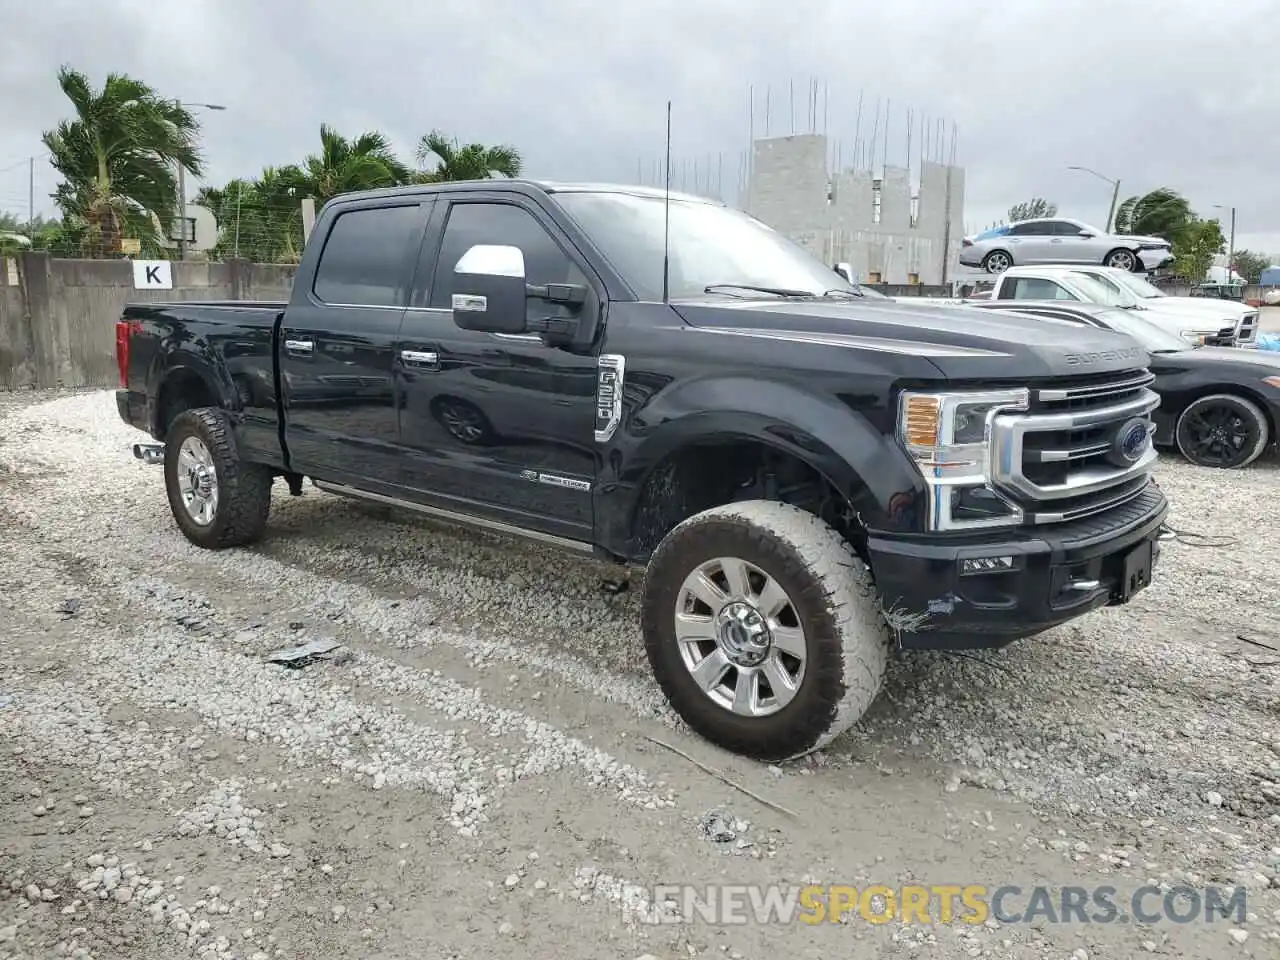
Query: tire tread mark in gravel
[832, 591]
[244, 489]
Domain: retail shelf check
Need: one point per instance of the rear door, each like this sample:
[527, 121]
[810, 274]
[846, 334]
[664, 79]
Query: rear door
[337, 343]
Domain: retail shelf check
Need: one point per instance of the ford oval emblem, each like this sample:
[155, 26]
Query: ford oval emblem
[1131, 442]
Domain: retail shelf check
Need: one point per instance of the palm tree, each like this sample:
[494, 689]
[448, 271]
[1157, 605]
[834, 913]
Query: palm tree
[474, 161]
[260, 219]
[118, 158]
[1160, 213]
[343, 165]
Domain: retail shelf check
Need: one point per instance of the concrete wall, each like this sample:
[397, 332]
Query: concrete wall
[57, 317]
[833, 213]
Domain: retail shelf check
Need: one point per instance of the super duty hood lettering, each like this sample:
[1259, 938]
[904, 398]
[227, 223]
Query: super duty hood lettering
[1097, 356]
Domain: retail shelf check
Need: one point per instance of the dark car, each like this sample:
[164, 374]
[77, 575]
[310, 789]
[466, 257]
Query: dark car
[1218, 405]
[812, 476]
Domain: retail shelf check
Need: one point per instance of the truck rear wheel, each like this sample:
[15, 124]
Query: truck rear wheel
[217, 500]
[762, 629]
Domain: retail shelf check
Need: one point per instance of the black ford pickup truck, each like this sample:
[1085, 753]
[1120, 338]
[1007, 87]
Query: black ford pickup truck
[811, 475]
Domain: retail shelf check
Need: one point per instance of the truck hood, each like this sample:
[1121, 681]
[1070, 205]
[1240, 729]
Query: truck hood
[1226, 310]
[1180, 318]
[964, 343]
[1260, 363]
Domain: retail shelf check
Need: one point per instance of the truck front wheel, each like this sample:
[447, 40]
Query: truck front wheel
[217, 499]
[762, 629]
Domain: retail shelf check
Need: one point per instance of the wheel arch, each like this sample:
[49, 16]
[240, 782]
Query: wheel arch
[839, 445]
[186, 386]
[1188, 397]
[1135, 249]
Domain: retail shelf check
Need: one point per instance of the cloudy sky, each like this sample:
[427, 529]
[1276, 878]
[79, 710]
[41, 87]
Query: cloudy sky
[1174, 93]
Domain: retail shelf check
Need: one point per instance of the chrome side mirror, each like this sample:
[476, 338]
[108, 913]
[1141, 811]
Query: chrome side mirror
[489, 289]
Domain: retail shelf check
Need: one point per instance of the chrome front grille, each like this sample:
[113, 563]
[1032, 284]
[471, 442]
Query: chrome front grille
[1063, 459]
[1248, 329]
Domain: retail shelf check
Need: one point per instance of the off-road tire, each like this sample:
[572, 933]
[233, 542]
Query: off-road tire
[1254, 418]
[847, 639]
[244, 489]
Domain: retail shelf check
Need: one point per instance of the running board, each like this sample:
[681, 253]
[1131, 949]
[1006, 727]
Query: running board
[464, 519]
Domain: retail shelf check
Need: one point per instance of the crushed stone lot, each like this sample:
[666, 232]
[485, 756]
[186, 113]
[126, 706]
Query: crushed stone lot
[480, 767]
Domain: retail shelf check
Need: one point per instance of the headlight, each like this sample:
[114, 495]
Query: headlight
[948, 435]
[1197, 336]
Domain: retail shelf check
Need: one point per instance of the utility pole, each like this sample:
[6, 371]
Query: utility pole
[1231, 245]
[946, 229]
[182, 211]
[31, 199]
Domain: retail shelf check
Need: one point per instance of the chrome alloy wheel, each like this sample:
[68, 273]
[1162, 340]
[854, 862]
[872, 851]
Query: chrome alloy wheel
[740, 637]
[197, 481]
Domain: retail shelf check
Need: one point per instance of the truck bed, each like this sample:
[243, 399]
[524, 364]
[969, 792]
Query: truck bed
[225, 350]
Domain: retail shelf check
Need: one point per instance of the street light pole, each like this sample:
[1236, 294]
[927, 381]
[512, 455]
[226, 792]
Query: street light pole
[1231, 243]
[182, 211]
[1115, 192]
[182, 187]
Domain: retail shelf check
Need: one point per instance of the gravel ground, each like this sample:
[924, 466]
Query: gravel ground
[473, 773]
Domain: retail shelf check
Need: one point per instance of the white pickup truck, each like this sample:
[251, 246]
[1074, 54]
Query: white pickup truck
[1196, 319]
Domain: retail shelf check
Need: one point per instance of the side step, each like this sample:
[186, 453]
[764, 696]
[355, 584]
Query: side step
[149, 452]
[462, 519]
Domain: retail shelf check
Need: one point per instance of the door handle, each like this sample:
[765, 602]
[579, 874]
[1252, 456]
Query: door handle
[427, 359]
[299, 348]
[1056, 240]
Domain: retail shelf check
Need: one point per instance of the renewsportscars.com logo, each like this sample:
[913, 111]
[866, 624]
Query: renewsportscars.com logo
[972, 904]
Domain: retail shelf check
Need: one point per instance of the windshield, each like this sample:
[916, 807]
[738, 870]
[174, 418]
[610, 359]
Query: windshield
[1143, 288]
[1104, 291]
[710, 246]
[1153, 339]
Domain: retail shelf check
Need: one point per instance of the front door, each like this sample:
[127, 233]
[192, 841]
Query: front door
[1031, 243]
[498, 424]
[337, 345]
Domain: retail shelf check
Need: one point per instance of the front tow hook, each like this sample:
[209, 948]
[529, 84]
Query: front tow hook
[149, 452]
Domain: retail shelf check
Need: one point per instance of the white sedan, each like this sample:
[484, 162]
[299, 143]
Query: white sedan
[1061, 240]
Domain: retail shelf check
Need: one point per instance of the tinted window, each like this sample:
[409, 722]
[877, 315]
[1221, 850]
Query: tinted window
[709, 244]
[1033, 288]
[500, 223]
[364, 256]
[1028, 230]
[1063, 228]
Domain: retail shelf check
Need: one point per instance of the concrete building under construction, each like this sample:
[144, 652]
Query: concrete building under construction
[889, 229]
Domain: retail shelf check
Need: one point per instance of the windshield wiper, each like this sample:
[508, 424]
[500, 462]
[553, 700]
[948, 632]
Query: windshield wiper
[773, 291]
[837, 292]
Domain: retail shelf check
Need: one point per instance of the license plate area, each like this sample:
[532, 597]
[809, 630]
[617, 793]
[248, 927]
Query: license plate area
[1135, 571]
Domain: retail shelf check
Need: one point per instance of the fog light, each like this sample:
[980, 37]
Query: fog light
[986, 565]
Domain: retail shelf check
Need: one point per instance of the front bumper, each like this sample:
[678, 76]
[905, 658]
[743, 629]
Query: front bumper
[1153, 260]
[936, 606]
